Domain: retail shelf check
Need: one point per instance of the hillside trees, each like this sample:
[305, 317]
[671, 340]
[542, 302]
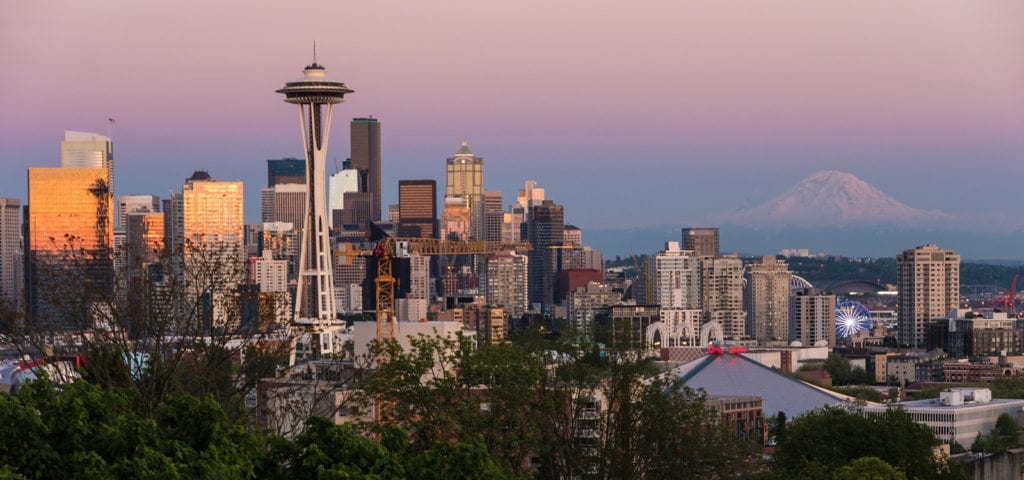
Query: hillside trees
[570, 409]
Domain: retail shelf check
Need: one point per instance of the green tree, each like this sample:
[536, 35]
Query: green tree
[869, 468]
[580, 409]
[862, 393]
[833, 437]
[87, 431]
[839, 368]
[1004, 436]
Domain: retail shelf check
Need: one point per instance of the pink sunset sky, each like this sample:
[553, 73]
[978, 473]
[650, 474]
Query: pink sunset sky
[628, 113]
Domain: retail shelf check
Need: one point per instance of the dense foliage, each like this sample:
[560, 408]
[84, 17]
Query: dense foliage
[821, 443]
[575, 411]
[1004, 436]
[87, 431]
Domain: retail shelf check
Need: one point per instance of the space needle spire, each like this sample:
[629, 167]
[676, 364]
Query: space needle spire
[315, 95]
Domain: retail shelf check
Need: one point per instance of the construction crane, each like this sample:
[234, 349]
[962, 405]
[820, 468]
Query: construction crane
[388, 249]
[1009, 302]
[391, 248]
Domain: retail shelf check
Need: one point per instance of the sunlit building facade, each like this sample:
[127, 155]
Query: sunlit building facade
[464, 176]
[70, 227]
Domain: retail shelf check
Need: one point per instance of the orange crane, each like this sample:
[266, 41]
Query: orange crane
[390, 248]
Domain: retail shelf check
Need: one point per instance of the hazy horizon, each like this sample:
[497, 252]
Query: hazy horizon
[630, 115]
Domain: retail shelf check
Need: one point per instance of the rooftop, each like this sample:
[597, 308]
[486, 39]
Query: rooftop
[737, 375]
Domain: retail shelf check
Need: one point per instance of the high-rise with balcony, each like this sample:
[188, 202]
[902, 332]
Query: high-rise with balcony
[721, 288]
[928, 281]
[767, 300]
[672, 280]
[365, 159]
[812, 315]
[11, 253]
[507, 283]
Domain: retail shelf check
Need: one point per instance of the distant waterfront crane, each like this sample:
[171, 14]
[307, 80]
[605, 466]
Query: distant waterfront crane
[1009, 302]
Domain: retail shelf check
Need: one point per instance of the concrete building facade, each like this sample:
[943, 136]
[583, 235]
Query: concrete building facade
[703, 241]
[928, 281]
[767, 300]
[812, 316]
[721, 287]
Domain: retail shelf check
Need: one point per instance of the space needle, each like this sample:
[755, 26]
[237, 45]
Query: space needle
[315, 94]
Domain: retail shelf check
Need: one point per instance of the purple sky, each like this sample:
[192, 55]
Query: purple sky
[629, 113]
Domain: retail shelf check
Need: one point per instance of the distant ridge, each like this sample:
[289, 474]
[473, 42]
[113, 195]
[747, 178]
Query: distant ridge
[834, 198]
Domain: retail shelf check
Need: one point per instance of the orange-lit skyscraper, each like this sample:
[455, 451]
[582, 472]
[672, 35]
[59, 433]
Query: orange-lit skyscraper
[70, 227]
[211, 215]
[464, 175]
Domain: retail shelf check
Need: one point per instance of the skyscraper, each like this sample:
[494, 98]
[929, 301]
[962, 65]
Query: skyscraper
[928, 281]
[703, 241]
[812, 316]
[507, 283]
[674, 280]
[767, 300]
[286, 171]
[464, 174]
[144, 239]
[493, 215]
[88, 150]
[417, 208]
[127, 204]
[365, 152]
[210, 235]
[211, 216]
[10, 250]
[341, 182]
[70, 232]
[315, 96]
[284, 202]
[544, 230]
[721, 288]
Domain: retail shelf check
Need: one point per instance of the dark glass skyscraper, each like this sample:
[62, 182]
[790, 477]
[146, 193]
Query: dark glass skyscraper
[366, 159]
[544, 230]
[286, 170]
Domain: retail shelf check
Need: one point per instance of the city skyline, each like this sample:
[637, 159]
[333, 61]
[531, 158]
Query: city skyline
[707, 119]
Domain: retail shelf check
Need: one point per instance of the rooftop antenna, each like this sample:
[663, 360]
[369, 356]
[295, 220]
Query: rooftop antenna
[314, 51]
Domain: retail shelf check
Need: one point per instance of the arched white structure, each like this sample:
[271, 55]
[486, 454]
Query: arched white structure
[797, 283]
[709, 329]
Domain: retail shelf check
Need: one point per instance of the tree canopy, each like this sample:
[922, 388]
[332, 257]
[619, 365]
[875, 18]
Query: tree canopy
[826, 440]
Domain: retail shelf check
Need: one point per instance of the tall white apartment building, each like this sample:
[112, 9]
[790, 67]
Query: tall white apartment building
[671, 279]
